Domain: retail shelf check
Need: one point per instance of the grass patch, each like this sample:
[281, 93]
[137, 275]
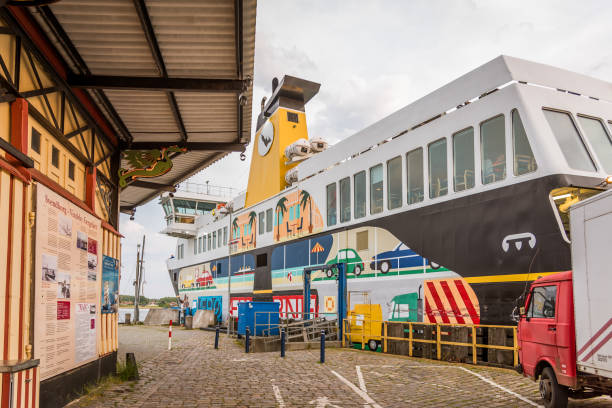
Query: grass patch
[126, 372]
[93, 392]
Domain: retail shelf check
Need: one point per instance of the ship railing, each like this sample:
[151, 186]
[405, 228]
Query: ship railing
[497, 344]
[208, 189]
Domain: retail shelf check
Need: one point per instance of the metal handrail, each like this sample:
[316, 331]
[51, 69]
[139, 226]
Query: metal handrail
[438, 341]
[284, 322]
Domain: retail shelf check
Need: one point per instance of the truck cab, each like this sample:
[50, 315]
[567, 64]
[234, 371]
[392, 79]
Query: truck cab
[547, 340]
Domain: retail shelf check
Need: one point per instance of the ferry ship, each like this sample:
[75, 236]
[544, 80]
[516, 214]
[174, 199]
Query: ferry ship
[443, 211]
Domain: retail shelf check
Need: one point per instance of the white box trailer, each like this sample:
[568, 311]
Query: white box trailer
[591, 234]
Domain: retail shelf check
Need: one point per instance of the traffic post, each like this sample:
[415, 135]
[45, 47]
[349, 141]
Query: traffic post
[322, 346]
[170, 335]
[247, 339]
[217, 338]
[282, 342]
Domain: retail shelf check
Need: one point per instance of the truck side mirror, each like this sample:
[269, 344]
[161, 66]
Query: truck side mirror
[522, 311]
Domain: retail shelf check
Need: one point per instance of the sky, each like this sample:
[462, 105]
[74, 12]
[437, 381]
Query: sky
[373, 58]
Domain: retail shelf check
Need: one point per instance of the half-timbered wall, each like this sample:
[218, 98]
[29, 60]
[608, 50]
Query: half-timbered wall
[69, 154]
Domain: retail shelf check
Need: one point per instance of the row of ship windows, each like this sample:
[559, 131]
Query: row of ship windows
[210, 241]
[493, 159]
[493, 163]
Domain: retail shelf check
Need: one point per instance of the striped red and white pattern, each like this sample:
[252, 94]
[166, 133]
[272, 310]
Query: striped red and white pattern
[450, 301]
[26, 389]
[595, 343]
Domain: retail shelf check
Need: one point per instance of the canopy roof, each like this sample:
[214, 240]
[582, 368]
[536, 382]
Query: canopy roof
[163, 72]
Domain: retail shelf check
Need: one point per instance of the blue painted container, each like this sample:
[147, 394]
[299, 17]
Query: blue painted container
[258, 317]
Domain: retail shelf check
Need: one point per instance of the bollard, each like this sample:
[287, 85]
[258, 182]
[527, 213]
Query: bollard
[128, 318]
[170, 335]
[322, 346]
[217, 338]
[246, 340]
[282, 342]
[132, 367]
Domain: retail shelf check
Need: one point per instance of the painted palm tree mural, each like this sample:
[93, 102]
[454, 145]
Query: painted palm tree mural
[235, 228]
[252, 220]
[306, 199]
[280, 210]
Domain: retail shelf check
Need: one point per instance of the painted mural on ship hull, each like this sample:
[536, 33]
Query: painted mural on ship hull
[461, 262]
[406, 285]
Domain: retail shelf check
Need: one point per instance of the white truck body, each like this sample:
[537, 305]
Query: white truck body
[591, 227]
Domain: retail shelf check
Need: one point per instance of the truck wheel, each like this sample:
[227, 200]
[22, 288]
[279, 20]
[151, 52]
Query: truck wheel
[553, 394]
[373, 345]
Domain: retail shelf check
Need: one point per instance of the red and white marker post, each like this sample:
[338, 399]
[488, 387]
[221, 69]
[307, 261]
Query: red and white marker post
[170, 336]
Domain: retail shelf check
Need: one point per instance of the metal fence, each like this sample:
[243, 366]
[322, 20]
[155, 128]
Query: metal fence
[436, 330]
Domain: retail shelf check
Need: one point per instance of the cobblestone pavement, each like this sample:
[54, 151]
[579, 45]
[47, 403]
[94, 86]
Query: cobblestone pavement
[193, 374]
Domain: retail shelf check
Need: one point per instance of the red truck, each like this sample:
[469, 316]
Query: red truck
[565, 326]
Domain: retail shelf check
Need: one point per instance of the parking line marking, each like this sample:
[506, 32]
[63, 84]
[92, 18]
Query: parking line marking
[278, 396]
[493, 383]
[360, 378]
[363, 395]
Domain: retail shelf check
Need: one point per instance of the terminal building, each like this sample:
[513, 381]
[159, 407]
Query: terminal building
[103, 107]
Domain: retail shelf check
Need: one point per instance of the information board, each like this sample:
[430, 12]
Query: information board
[110, 284]
[67, 284]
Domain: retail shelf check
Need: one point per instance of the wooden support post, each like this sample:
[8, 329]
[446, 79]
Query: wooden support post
[474, 350]
[19, 125]
[385, 338]
[438, 345]
[410, 339]
[90, 188]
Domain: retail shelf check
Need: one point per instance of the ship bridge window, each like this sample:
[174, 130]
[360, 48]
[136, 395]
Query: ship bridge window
[524, 161]
[224, 236]
[438, 173]
[167, 206]
[185, 207]
[493, 149]
[463, 159]
[359, 191]
[599, 139]
[569, 140]
[200, 248]
[331, 204]
[219, 238]
[394, 183]
[414, 168]
[376, 189]
[203, 208]
[562, 199]
[345, 199]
